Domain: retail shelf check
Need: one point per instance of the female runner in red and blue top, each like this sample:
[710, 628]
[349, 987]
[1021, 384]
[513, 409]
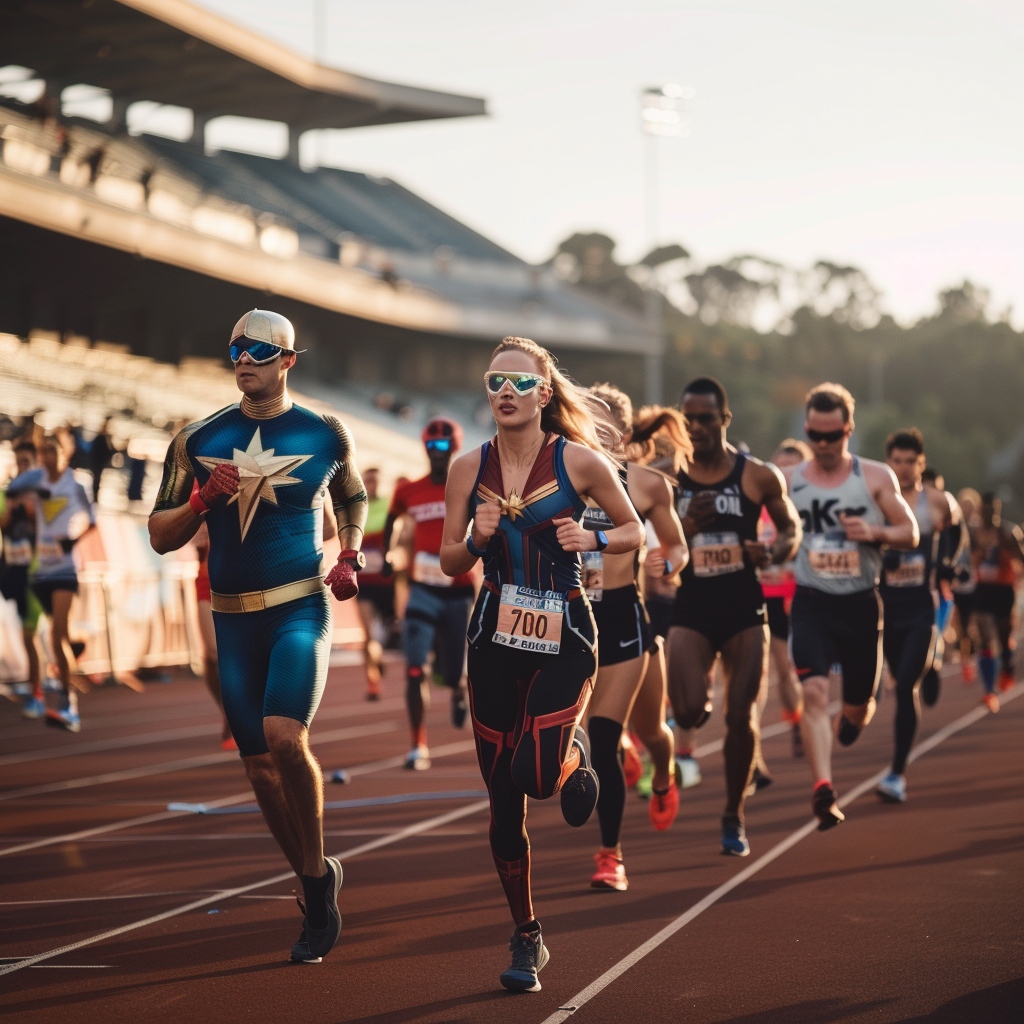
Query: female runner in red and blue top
[532, 638]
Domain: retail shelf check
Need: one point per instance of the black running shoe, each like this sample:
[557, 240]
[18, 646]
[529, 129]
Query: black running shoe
[460, 708]
[758, 780]
[847, 732]
[300, 951]
[529, 955]
[322, 940]
[579, 793]
[825, 808]
[930, 687]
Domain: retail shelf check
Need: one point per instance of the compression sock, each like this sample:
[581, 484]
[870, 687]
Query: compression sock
[314, 890]
[515, 880]
[987, 669]
[414, 704]
[604, 757]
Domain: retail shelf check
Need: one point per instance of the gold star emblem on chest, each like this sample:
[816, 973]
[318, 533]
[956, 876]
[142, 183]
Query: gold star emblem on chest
[512, 506]
[259, 472]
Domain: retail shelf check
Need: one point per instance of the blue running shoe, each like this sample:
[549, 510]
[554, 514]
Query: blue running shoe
[529, 955]
[65, 719]
[893, 788]
[734, 837]
[32, 707]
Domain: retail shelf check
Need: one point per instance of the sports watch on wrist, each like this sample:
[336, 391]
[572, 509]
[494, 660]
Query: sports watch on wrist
[602, 540]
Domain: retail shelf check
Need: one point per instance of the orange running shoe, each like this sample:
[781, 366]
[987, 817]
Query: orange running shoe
[664, 807]
[1006, 681]
[610, 873]
[227, 741]
[632, 766]
[991, 701]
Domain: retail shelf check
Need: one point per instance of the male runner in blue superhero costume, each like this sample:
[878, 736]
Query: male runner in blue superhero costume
[257, 473]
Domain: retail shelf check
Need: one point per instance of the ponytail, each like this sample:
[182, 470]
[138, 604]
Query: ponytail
[652, 424]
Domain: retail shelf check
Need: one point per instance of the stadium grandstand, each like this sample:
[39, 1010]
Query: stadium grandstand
[154, 244]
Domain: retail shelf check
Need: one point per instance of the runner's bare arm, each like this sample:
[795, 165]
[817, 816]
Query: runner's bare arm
[775, 497]
[456, 558]
[593, 477]
[901, 530]
[655, 501]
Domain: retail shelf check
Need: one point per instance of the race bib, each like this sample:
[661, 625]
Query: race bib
[18, 552]
[427, 569]
[49, 551]
[593, 574]
[716, 554]
[833, 557]
[909, 573]
[530, 620]
[374, 560]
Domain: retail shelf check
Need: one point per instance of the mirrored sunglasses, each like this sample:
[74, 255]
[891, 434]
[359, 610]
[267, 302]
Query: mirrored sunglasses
[439, 444]
[260, 352]
[522, 382]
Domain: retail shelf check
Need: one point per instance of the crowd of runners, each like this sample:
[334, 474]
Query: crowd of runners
[591, 586]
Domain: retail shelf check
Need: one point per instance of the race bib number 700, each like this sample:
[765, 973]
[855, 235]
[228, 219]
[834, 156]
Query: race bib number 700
[530, 620]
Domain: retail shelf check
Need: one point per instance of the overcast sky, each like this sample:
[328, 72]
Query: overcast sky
[884, 133]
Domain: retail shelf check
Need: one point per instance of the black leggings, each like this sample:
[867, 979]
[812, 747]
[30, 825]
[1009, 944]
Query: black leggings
[908, 642]
[525, 707]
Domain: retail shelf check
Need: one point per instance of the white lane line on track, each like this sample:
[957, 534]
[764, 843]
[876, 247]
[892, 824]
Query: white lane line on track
[355, 851]
[59, 967]
[183, 764]
[565, 1011]
[236, 798]
[180, 733]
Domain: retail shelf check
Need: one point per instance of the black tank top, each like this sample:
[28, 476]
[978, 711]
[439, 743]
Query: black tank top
[717, 562]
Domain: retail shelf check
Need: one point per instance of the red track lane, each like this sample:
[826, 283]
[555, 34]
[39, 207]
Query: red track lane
[904, 913]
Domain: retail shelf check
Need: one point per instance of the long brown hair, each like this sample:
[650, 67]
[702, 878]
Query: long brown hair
[573, 411]
[651, 425]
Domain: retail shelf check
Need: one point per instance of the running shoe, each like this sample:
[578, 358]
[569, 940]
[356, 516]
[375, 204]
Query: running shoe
[321, 940]
[664, 807]
[893, 788]
[529, 955]
[758, 780]
[300, 953]
[687, 771]
[1006, 681]
[33, 707]
[632, 765]
[825, 808]
[798, 741]
[578, 795]
[460, 708]
[968, 673]
[734, 837]
[991, 701]
[418, 759]
[930, 687]
[64, 719]
[610, 873]
[372, 689]
[846, 731]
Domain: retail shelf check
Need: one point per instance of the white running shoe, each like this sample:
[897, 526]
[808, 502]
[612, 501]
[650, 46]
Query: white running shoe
[893, 788]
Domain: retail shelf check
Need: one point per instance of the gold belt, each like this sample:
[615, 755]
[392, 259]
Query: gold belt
[257, 600]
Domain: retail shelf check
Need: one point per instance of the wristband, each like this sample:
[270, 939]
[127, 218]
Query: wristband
[197, 504]
[668, 568]
[602, 540]
[473, 549]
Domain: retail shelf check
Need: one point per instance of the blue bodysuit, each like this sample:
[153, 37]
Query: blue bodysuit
[273, 661]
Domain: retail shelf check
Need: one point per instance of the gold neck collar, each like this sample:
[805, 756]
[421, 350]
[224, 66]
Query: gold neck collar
[266, 410]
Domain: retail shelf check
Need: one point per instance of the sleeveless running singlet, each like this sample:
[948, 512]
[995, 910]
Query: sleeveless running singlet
[827, 561]
[717, 561]
[907, 575]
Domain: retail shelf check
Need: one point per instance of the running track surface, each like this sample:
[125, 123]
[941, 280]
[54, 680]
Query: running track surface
[903, 913]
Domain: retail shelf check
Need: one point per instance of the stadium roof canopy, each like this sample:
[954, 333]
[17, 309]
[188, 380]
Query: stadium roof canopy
[170, 51]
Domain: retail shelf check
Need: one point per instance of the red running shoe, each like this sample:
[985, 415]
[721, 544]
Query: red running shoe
[664, 807]
[610, 873]
[968, 672]
[1006, 681]
[632, 766]
[991, 701]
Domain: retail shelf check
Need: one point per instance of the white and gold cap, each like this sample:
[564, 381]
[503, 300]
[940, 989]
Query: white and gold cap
[265, 325]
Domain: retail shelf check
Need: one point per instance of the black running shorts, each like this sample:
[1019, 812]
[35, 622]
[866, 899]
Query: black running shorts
[778, 618]
[844, 629]
[718, 609]
[994, 598]
[623, 629]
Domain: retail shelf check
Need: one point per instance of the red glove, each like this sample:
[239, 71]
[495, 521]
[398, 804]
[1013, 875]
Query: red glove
[222, 484]
[342, 578]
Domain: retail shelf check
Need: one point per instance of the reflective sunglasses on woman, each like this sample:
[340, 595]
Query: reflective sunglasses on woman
[523, 383]
[260, 352]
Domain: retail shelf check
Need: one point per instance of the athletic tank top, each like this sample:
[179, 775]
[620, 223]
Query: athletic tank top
[996, 567]
[716, 553]
[827, 561]
[524, 550]
[907, 575]
[597, 519]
